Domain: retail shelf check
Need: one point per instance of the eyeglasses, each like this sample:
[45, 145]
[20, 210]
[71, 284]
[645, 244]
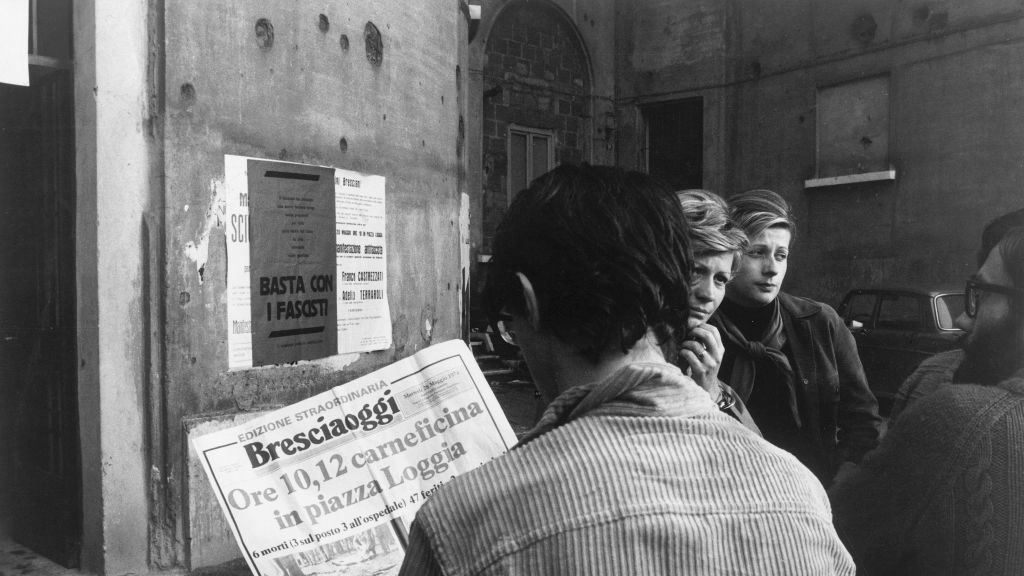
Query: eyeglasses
[509, 336]
[974, 290]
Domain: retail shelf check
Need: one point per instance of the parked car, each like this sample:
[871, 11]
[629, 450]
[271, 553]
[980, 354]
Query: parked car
[896, 327]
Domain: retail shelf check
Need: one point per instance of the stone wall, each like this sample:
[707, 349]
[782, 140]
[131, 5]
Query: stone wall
[954, 82]
[536, 75]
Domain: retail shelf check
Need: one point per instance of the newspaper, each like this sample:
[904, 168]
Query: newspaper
[330, 485]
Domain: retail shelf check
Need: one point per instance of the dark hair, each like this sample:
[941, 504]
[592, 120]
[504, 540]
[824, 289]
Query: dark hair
[995, 230]
[607, 254]
[712, 231]
[1011, 248]
[758, 210]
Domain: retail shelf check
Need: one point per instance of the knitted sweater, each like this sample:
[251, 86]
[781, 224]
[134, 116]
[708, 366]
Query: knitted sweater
[933, 373]
[653, 480]
[944, 493]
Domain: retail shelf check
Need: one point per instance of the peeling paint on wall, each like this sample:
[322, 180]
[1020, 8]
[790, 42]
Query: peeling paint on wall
[338, 362]
[374, 44]
[264, 34]
[464, 259]
[400, 335]
[199, 250]
[427, 321]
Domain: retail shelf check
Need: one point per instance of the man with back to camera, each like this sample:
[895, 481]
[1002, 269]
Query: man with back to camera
[632, 469]
[944, 493]
[939, 370]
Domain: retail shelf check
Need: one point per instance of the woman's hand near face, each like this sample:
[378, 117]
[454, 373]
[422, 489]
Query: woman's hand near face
[702, 351]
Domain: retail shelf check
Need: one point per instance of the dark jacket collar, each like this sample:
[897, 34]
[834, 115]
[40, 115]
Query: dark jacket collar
[798, 307]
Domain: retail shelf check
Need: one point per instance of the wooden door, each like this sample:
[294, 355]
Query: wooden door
[38, 388]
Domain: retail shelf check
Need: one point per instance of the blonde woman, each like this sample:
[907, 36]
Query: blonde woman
[718, 248]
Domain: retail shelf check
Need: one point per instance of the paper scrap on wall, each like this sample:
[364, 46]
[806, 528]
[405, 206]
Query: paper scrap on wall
[14, 42]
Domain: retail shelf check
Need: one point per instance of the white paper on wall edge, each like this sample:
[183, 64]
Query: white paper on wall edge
[14, 42]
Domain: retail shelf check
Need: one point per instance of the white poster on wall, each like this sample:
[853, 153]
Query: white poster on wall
[364, 317]
[14, 42]
[236, 232]
[360, 301]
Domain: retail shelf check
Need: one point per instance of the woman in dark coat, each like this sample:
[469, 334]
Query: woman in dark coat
[791, 359]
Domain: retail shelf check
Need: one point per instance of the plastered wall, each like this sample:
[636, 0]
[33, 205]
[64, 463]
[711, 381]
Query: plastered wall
[375, 87]
[113, 181]
[955, 75]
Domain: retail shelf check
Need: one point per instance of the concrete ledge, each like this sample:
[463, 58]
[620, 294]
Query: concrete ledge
[236, 567]
[850, 179]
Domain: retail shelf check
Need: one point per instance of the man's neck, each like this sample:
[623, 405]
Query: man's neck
[572, 369]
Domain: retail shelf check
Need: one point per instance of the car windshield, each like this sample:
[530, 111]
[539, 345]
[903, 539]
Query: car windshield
[947, 308]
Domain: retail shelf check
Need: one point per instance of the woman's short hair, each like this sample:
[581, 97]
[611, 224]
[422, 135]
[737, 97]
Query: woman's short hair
[758, 210]
[607, 253]
[712, 231]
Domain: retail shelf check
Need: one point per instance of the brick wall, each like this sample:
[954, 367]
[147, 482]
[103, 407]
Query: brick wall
[536, 75]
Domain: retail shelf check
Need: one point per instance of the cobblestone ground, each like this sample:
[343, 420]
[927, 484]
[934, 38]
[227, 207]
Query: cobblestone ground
[16, 560]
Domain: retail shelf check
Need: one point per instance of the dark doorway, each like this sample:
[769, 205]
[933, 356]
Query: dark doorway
[675, 142]
[40, 469]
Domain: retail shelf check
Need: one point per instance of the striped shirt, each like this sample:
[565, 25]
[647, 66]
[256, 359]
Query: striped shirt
[639, 474]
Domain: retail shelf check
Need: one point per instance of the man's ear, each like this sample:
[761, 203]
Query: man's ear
[530, 297]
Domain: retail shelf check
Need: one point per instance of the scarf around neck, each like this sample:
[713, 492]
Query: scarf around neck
[743, 377]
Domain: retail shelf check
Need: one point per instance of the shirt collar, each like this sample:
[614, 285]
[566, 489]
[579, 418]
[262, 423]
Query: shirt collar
[640, 389]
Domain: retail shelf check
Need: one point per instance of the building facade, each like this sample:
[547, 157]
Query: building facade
[889, 126]
[886, 124]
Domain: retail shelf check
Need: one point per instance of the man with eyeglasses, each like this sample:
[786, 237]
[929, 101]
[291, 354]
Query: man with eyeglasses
[944, 492]
[632, 469]
[940, 370]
